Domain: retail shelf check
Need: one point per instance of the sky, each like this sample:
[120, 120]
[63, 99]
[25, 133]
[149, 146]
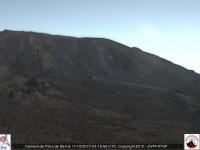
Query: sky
[167, 28]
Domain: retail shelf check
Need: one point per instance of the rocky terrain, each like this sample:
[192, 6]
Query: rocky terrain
[58, 89]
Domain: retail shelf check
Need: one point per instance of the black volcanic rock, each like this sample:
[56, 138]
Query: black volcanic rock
[92, 90]
[34, 54]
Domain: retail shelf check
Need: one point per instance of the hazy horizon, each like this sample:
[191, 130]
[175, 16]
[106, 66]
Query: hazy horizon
[168, 29]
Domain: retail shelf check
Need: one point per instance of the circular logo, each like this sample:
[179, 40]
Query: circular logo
[192, 141]
[3, 139]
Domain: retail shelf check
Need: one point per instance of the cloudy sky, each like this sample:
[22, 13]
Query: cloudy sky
[168, 28]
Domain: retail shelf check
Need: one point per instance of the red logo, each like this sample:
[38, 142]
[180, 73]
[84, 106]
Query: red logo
[3, 139]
